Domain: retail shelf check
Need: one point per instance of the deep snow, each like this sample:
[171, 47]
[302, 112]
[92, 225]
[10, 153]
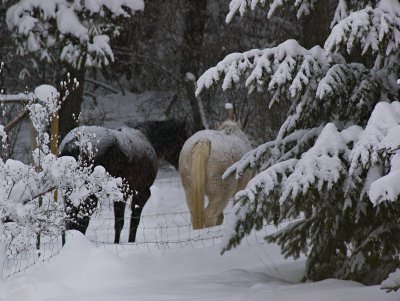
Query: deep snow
[253, 271]
[193, 271]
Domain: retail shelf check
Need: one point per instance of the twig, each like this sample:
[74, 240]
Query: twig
[171, 104]
[103, 85]
[142, 60]
[118, 82]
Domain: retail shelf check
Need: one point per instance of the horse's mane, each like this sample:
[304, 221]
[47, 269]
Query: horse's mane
[229, 127]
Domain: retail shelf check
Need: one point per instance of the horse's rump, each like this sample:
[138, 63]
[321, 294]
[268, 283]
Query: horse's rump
[204, 158]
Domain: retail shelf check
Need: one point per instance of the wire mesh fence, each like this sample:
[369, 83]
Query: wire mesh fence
[21, 261]
[155, 231]
[164, 230]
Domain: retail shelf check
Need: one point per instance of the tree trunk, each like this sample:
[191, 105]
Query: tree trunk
[316, 25]
[195, 20]
[71, 107]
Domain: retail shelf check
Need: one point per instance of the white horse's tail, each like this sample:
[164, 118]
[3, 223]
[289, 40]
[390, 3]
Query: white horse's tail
[200, 155]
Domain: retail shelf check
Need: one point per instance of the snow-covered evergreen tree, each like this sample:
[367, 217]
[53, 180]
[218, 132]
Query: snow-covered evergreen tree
[75, 32]
[68, 36]
[333, 166]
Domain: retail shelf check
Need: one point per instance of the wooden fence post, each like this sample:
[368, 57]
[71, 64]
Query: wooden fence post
[229, 111]
[44, 93]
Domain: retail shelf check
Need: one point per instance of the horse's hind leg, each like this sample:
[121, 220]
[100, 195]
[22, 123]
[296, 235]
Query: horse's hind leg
[138, 202]
[119, 214]
[214, 212]
[212, 215]
[135, 219]
[220, 219]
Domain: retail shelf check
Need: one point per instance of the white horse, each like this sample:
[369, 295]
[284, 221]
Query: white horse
[203, 160]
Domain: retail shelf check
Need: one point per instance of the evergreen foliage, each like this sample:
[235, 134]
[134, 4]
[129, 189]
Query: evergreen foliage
[75, 32]
[333, 167]
[62, 36]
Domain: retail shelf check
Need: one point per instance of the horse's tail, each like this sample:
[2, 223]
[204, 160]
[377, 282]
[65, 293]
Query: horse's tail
[200, 155]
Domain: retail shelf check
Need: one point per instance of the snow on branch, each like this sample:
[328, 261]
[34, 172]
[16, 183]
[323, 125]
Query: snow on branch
[286, 69]
[81, 29]
[250, 206]
[335, 82]
[26, 199]
[118, 8]
[351, 91]
[318, 170]
[341, 12]
[387, 188]
[365, 153]
[304, 7]
[372, 28]
[20, 97]
[321, 165]
[271, 152]
[383, 134]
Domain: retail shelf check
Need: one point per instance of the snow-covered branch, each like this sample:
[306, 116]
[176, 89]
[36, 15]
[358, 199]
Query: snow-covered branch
[376, 29]
[271, 152]
[75, 32]
[286, 70]
[336, 159]
[26, 199]
[304, 7]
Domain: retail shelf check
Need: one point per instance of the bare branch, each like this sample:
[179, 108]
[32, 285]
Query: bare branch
[103, 85]
[15, 121]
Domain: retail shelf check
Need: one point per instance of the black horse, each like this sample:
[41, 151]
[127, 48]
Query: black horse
[130, 154]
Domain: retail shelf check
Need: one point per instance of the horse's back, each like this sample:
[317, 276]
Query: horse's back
[225, 149]
[123, 153]
[100, 140]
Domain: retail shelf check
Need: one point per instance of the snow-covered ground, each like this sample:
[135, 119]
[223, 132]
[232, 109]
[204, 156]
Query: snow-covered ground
[253, 271]
[170, 261]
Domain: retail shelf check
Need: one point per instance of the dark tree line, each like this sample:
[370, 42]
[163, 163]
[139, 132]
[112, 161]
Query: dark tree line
[155, 50]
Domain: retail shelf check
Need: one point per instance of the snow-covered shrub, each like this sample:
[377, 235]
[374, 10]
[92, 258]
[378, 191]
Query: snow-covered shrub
[333, 164]
[27, 205]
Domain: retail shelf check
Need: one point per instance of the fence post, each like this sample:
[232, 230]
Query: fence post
[45, 93]
[3, 254]
[34, 145]
[54, 132]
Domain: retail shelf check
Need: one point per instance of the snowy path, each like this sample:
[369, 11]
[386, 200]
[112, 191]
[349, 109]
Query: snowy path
[83, 272]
